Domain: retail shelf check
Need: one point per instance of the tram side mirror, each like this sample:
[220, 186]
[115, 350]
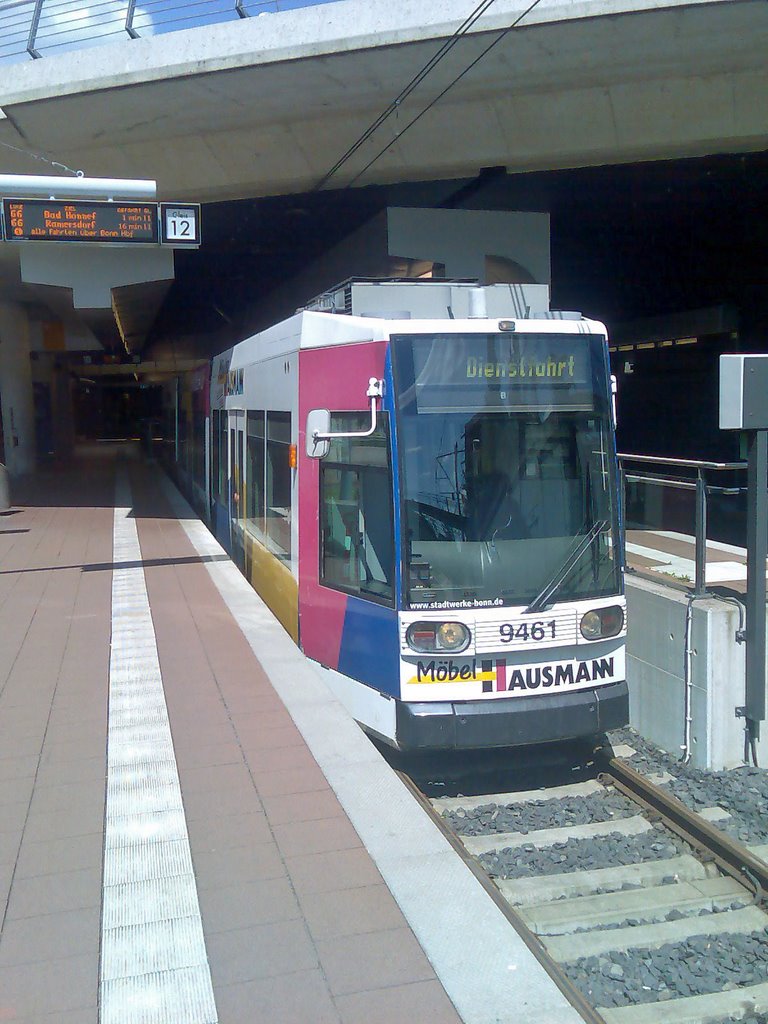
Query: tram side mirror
[318, 422]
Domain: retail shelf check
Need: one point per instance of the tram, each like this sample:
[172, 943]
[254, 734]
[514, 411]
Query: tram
[420, 481]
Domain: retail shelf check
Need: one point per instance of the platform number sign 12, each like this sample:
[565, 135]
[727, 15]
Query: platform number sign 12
[180, 224]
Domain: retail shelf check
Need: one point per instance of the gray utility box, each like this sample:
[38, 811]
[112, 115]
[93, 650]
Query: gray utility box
[744, 392]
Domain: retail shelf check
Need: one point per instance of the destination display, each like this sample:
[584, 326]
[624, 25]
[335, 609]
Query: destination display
[459, 372]
[27, 220]
[102, 222]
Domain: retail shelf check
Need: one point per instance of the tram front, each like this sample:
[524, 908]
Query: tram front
[513, 619]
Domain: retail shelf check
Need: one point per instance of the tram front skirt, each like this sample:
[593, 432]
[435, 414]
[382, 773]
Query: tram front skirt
[466, 725]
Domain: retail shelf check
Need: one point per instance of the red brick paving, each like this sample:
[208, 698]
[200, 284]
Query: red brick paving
[300, 928]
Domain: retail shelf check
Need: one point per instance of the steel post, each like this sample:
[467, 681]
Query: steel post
[700, 583]
[129, 15]
[757, 543]
[34, 25]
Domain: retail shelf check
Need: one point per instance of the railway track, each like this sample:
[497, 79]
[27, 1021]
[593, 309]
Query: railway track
[641, 910]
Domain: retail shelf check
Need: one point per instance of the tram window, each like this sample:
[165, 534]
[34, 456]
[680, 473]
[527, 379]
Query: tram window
[278, 482]
[183, 439]
[268, 490]
[358, 550]
[221, 442]
[169, 432]
[219, 454]
[238, 481]
[198, 440]
[255, 493]
[214, 451]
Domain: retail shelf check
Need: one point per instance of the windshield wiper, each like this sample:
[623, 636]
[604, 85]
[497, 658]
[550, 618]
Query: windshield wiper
[551, 587]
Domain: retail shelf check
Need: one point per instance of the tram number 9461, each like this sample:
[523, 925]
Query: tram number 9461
[510, 631]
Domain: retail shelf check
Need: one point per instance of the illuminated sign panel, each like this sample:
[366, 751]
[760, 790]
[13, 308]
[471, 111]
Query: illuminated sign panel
[119, 223]
[502, 372]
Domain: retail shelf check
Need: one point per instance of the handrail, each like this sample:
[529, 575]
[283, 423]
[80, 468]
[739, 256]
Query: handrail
[699, 485]
[28, 28]
[683, 485]
[663, 460]
[660, 481]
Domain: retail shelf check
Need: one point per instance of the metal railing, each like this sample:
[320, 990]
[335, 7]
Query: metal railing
[31, 29]
[694, 481]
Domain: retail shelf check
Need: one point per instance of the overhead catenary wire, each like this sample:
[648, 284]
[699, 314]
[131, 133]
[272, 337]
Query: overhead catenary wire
[44, 159]
[417, 79]
[440, 95]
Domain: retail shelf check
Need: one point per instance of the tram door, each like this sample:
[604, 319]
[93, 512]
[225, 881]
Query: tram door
[237, 485]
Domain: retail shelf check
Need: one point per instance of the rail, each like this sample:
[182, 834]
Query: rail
[588, 1013]
[31, 29]
[697, 483]
[543, 915]
[730, 856]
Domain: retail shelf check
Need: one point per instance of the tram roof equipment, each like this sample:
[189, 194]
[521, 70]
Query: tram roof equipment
[406, 298]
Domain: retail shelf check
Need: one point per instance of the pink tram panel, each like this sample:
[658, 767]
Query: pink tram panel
[324, 383]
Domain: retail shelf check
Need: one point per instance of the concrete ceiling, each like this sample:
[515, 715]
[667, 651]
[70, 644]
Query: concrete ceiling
[267, 106]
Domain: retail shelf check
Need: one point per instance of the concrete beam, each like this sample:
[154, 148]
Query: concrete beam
[92, 271]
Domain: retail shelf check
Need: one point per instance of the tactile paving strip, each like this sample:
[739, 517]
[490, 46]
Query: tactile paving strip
[154, 967]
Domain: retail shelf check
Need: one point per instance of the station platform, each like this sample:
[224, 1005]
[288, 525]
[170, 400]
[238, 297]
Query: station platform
[192, 829]
[667, 555]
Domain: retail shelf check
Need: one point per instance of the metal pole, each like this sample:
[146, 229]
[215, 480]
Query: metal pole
[623, 515]
[700, 583]
[757, 543]
[33, 27]
[131, 10]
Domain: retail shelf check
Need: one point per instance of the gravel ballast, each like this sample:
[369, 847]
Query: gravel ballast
[671, 915]
[583, 854]
[540, 814]
[743, 792]
[697, 967]
[705, 964]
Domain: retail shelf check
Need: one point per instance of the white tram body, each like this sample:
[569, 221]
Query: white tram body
[423, 488]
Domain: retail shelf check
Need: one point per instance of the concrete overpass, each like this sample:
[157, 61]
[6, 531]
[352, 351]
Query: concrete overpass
[268, 105]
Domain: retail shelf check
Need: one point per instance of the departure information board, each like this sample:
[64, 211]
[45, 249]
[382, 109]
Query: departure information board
[119, 223]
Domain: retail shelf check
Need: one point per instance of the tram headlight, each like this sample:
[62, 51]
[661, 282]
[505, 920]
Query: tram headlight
[600, 623]
[452, 636]
[436, 637]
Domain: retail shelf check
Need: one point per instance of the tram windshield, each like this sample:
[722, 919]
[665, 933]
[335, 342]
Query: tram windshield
[507, 469]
